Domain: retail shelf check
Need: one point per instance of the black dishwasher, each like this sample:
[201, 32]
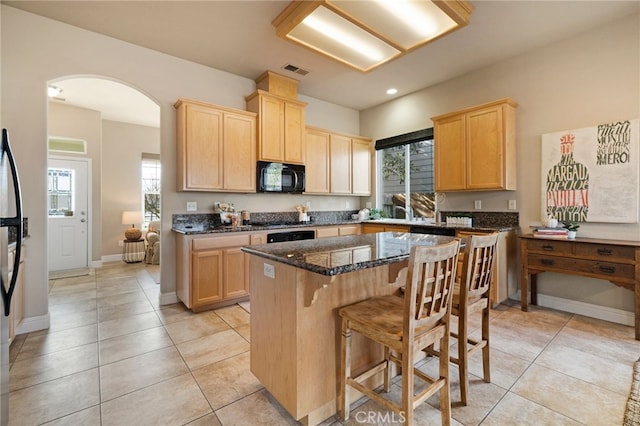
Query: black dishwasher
[433, 230]
[279, 237]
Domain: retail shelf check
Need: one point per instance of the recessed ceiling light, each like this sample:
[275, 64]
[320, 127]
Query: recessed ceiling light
[392, 91]
[53, 91]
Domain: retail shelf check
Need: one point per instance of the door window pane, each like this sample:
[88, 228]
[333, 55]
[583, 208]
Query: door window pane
[60, 192]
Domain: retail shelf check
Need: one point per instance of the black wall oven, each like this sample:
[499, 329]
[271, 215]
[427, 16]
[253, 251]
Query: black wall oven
[280, 177]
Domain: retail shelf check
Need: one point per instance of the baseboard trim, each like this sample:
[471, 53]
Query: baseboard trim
[606, 313]
[31, 324]
[111, 258]
[168, 298]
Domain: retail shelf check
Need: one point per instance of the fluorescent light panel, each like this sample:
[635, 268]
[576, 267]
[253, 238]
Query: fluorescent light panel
[366, 34]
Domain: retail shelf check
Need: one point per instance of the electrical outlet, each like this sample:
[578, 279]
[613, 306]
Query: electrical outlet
[347, 204]
[192, 206]
[477, 204]
[269, 270]
[120, 243]
[512, 204]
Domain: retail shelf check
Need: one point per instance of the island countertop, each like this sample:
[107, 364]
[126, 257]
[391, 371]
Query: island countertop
[339, 255]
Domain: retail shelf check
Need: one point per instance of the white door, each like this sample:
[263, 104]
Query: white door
[68, 214]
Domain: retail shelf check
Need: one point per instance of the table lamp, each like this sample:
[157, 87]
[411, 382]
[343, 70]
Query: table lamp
[133, 218]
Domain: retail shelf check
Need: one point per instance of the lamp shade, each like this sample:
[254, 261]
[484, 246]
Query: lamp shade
[132, 218]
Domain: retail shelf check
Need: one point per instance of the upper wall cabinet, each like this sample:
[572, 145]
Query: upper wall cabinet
[281, 133]
[337, 163]
[475, 148]
[216, 146]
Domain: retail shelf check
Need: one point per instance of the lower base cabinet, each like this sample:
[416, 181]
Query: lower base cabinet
[211, 271]
[16, 313]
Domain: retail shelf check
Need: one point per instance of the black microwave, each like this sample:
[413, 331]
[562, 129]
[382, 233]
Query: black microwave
[280, 177]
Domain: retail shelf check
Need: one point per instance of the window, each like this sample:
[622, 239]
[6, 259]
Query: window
[151, 186]
[406, 162]
[60, 192]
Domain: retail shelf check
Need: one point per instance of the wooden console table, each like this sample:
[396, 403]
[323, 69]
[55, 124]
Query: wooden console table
[613, 260]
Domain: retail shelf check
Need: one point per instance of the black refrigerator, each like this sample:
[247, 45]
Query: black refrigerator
[10, 222]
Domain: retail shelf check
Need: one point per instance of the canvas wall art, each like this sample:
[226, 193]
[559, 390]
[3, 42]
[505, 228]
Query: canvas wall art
[591, 174]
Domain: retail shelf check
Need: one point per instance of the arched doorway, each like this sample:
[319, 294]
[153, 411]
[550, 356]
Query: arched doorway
[115, 130]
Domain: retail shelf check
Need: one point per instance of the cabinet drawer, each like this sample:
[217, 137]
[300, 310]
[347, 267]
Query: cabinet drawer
[550, 246]
[606, 252]
[594, 268]
[219, 242]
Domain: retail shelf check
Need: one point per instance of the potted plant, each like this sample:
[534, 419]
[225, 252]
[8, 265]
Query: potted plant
[572, 228]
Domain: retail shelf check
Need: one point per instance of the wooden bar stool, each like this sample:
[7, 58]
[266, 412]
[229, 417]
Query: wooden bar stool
[471, 294]
[403, 326]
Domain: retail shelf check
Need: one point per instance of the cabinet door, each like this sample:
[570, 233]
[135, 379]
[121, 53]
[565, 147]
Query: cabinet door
[449, 139]
[327, 231]
[294, 140]
[349, 230]
[206, 277]
[239, 153]
[317, 165]
[236, 273]
[202, 148]
[485, 149]
[272, 128]
[372, 228]
[361, 166]
[340, 164]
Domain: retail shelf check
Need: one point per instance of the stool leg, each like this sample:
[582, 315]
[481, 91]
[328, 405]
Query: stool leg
[345, 370]
[445, 392]
[486, 354]
[407, 384]
[463, 355]
[387, 370]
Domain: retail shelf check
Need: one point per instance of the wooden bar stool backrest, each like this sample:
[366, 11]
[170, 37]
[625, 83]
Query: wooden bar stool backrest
[479, 254]
[429, 287]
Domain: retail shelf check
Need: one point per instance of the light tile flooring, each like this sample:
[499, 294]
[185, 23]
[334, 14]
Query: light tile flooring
[113, 356]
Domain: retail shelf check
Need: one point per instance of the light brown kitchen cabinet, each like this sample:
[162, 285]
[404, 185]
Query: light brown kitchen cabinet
[475, 148]
[317, 171]
[340, 163]
[337, 163]
[372, 228]
[281, 127]
[211, 271]
[360, 166]
[335, 231]
[216, 148]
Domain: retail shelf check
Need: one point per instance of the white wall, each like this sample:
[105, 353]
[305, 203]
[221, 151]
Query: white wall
[122, 148]
[579, 82]
[36, 50]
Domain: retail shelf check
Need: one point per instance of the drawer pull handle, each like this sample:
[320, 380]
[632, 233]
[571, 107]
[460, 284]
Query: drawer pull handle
[605, 252]
[607, 269]
[547, 262]
[547, 247]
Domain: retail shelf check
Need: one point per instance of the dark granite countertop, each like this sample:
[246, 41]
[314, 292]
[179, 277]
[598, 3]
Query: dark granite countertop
[339, 255]
[193, 229]
[217, 229]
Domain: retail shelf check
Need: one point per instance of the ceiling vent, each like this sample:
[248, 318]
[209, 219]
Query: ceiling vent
[295, 69]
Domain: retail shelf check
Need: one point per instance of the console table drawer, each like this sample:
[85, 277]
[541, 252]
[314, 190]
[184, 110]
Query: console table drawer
[593, 268]
[606, 252]
[550, 246]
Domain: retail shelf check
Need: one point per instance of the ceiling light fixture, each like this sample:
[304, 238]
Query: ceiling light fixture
[392, 91]
[366, 34]
[53, 91]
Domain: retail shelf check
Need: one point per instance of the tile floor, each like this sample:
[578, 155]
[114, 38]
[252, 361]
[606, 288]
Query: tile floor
[114, 357]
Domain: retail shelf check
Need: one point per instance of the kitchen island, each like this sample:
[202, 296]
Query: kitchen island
[296, 290]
